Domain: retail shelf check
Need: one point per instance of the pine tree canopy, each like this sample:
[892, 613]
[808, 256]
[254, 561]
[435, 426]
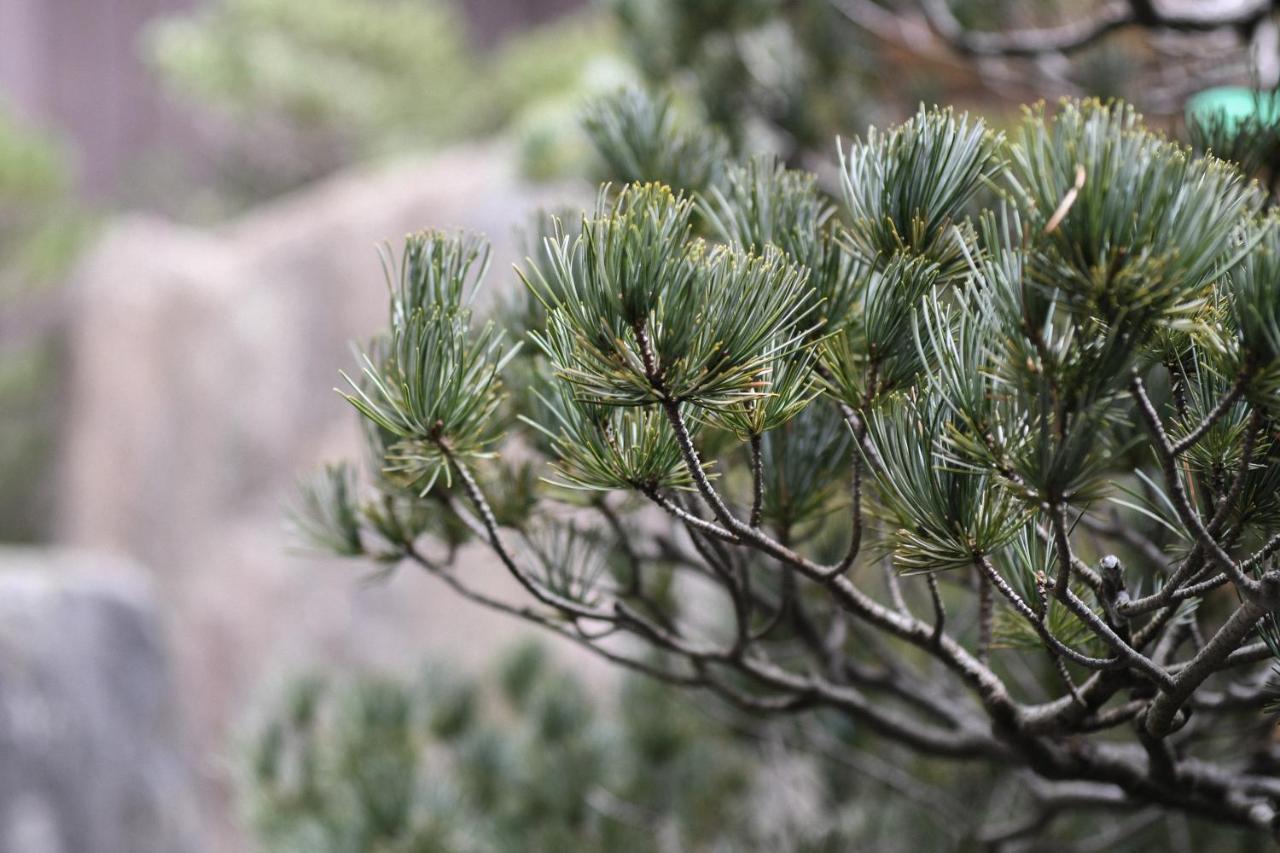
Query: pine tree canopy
[974, 446]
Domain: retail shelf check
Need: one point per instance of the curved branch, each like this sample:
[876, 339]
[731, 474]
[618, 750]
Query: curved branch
[1083, 32]
[1161, 715]
[1064, 38]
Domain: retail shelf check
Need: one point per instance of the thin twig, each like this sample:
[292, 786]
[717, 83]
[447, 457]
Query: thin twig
[1189, 440]
[757, 482]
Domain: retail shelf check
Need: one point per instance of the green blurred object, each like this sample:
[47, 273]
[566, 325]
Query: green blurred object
[1235, 104]
[1240, 125]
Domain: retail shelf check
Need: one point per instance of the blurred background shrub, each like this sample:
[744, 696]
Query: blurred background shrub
[310, 86]
[529, 757]
[41, 227]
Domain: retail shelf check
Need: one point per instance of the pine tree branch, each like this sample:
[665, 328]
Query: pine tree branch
[1237, 389]
[1187, 515]
[1086, 31]
[939, 609]
[986, 614]
[1161, 716]
[489, 532]
[548, 623]
[757, 482]
[1064, 38]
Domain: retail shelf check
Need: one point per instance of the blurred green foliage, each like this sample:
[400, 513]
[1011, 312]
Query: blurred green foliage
[778, 75]
[309, 86]
[364, 66]
[35, 206]
[532, 758]
[41, 228]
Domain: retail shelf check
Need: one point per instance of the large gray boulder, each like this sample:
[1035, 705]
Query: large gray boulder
[91, 760]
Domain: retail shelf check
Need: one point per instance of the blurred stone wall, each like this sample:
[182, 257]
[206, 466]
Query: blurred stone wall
[203, 365]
